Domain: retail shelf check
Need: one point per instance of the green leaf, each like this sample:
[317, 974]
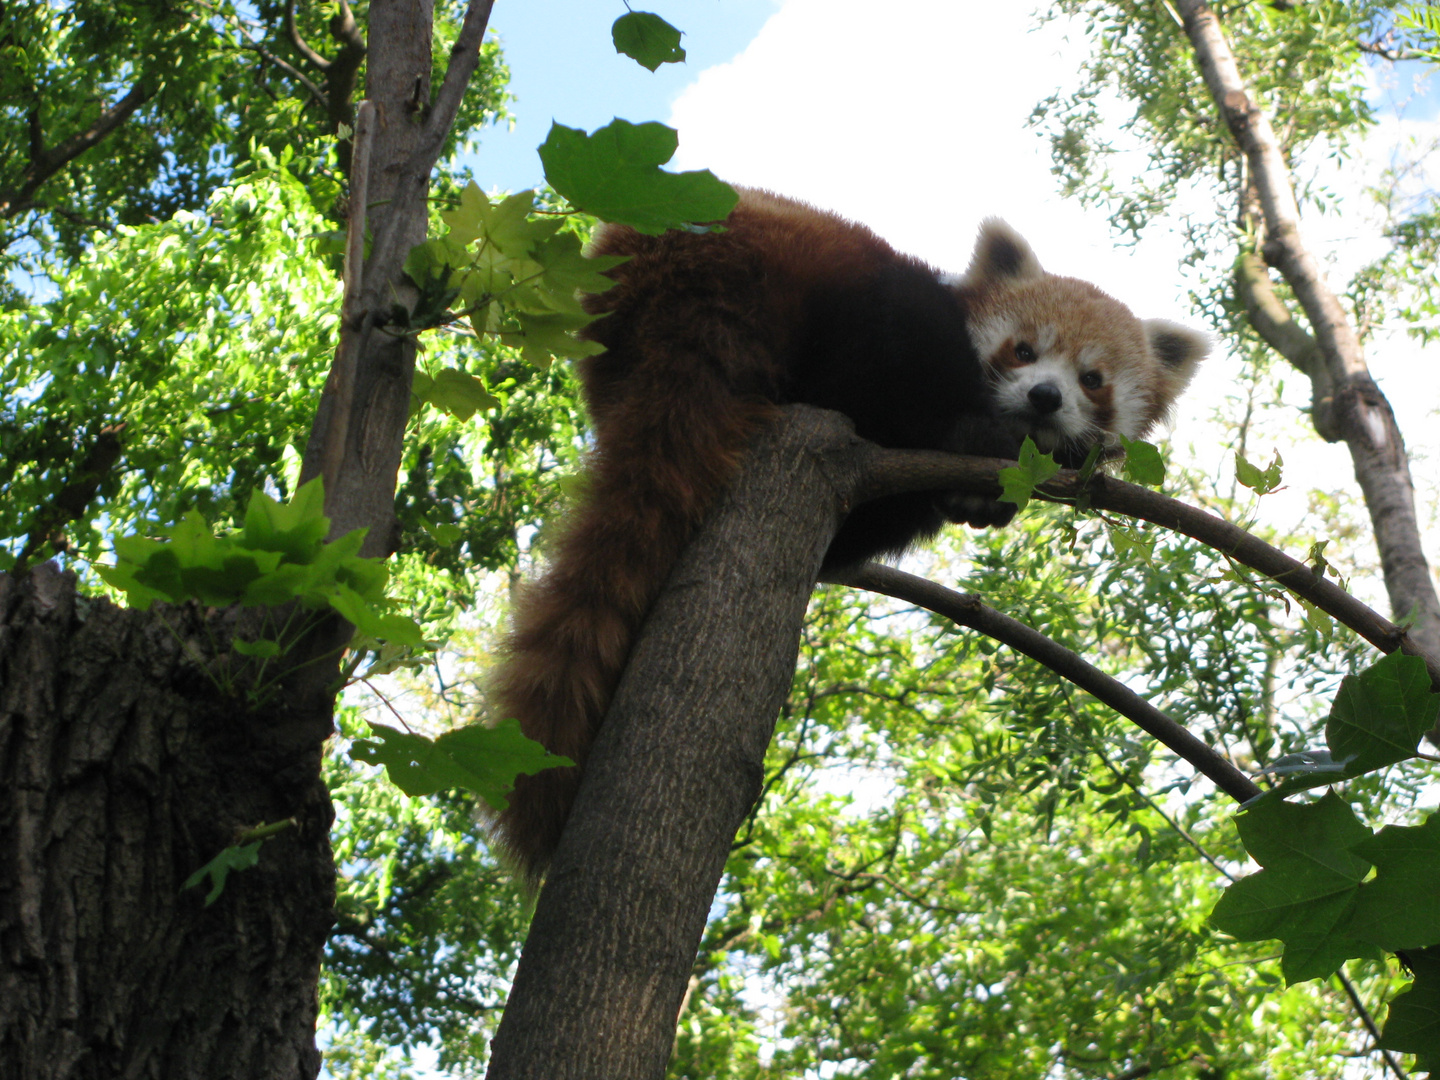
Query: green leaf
[372, 622]
[467, 221]
[1318, 619]
[1020, 481]
[549, 334]
[1380, 715]
[1309, 886]
[1398, 909]
[295, 529]
[218, 869]
[615, 174]
[1130, 541]
[1261, 481]
[478, 758]
[1412, 1025]
[647, 39]
[460, 394]
[445, 533]
[1143, 463]
[568, 268]
[262, 648]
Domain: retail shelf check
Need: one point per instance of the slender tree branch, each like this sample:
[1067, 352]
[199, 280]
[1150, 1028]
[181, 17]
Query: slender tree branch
[1369, 1022]
[46, 163]
[313, 57]
[1271, 320]
[968, 610]
[1361, 414]
[1390, 52]
[921, 470]
[72, 499]
[316, 94]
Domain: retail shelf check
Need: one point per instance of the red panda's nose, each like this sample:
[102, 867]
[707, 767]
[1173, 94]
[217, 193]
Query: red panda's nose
[1045, 398]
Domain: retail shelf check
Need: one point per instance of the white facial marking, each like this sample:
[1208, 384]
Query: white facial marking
[1071, 420]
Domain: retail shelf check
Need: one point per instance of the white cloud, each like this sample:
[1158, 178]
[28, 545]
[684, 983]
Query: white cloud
[913, 120]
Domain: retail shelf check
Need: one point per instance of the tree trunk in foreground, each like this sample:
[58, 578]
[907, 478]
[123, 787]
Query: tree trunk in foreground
[122, 771]
[676, 769]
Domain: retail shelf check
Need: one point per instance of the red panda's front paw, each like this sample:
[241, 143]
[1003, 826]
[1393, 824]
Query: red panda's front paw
[978, 511]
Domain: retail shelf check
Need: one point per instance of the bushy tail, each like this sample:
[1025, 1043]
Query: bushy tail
[666, 453]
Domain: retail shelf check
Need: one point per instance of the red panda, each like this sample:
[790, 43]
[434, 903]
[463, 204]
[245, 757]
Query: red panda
[706, 334]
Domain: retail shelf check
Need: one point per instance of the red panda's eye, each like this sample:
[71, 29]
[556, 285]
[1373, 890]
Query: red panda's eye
[1091, 380]
[1024, 353]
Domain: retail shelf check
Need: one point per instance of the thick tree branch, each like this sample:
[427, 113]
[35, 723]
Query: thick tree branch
[341, 73]
[46, 163]
[341, 381]
[675, 769]
[969, 610]
[1361, 414]
[367, 441]
[414, 178]
[917, 470]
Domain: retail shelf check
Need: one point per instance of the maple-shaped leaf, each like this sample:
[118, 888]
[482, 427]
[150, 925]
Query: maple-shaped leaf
[615, 174]
[1413, 1023]
[1018, 482]
[1379, 715]
[1143, 463]
[477, 757]
[1400, 907]
[1308, 889]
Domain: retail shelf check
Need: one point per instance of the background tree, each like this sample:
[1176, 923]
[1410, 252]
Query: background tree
[1304, 67]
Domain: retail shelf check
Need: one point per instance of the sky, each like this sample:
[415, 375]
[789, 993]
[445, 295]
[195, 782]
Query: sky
[913, 120]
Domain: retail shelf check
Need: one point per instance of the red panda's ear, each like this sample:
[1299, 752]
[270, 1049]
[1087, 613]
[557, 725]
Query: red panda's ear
[1001, 257]
[1179, 350]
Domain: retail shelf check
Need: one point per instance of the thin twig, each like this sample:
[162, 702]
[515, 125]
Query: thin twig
[265, 54]
[1369, 1022]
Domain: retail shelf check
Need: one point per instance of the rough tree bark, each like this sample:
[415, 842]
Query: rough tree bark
[126, 764]
[1348, 404]
[677, 766]
[123, 769]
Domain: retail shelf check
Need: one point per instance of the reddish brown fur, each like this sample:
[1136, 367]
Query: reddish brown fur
[701, 336]
[670, 428]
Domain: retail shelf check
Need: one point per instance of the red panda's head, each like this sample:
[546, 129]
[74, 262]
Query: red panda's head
[1069, 364]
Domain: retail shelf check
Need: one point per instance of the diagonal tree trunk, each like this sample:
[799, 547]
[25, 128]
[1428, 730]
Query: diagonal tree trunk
[676, 768]
[1349, 406]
